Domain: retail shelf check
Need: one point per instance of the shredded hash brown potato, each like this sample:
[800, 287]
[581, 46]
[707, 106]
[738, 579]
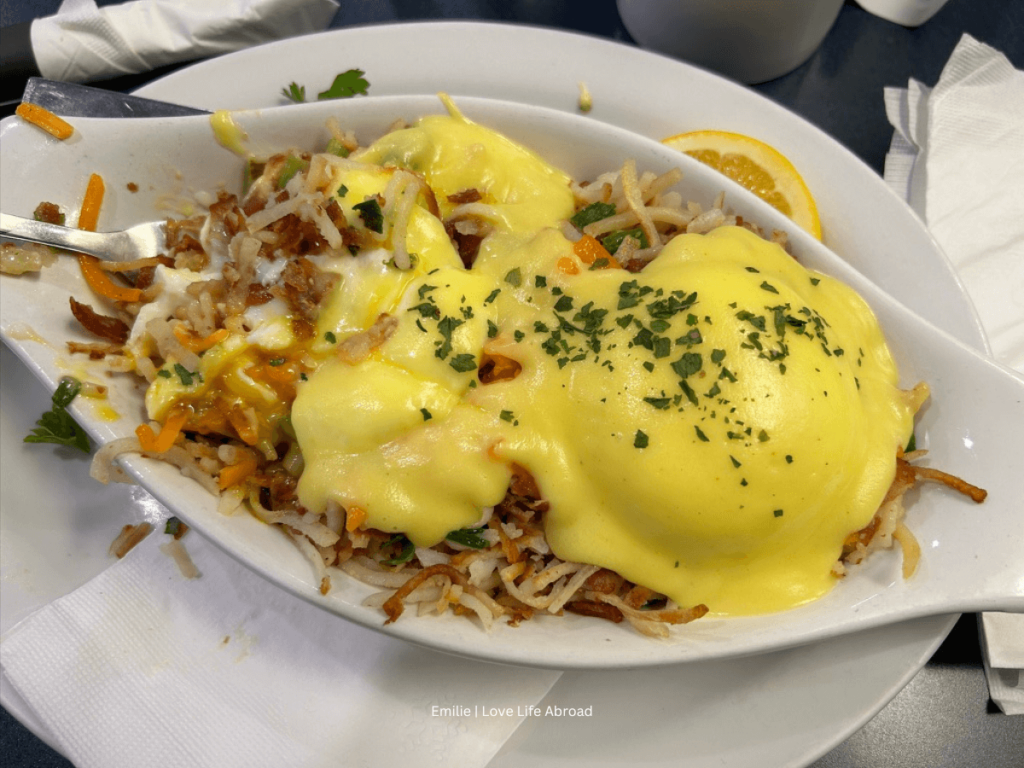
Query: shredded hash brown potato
[504, 568]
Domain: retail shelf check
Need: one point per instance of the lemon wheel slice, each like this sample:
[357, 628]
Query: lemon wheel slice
[757, 166]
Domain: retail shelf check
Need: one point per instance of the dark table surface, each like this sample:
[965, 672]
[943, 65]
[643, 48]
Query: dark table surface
[943, 718]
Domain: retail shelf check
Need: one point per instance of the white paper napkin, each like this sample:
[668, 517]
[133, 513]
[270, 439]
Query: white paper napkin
[82, 42]
[957, 156]
[143, 667]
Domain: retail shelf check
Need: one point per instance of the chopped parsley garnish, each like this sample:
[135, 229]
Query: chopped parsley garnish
[507, 415]
[769, 287]
[700, 434]
[186, 376]
[492, 296]
[661, 403]
[640, 439]
[163, 373]
[463, 363]
[371, 214]
[427, 415]
[277, 361]
[57, 425]
[446, 326]
[778, 513]
[330, 337]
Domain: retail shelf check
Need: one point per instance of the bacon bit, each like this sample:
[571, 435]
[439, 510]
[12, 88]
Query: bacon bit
[568, 266]
[355, 517]
[91, 203]
[101, 283]
[595, 609]
[589, 250]
[234, 474]
[109, 328]
[45, 119]
[196, 344]
[495, 367]
[152, 443]
[258, 295]
[48, 212]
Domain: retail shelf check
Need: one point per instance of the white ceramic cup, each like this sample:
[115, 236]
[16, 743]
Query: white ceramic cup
[748, 40]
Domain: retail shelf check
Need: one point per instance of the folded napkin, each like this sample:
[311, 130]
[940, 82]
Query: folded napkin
[252, 675]
[957, 156]
[82, 42]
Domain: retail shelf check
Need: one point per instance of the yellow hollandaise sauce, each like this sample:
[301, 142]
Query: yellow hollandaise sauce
[712, 427]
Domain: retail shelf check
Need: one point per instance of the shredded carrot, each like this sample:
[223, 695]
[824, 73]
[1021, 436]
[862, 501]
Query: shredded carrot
[236, 473]
[568, 266]
[590, 251]
[162, 443]
[91, 203]
[195, 343]
[101, 283]
[45, 119]
[356, 517]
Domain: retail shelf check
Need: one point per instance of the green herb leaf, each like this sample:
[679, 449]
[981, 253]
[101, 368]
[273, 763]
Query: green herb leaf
[405, 554]
[640, 440]
[347, 84]
[469, 537]
[463, 363]
[185, 375]
[57, 425]
[611, 242]
[335, 147]
[371, 214]
[427, 415]
[295, 92]
[590, 214]
[292, 165]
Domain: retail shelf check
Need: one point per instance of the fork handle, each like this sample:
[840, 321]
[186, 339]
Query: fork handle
[111, 246]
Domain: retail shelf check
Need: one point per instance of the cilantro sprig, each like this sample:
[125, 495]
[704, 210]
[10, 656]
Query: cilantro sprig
[57, 425]
[345, 85]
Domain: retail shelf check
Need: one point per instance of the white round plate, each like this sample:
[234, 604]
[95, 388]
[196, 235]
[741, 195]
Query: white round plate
[855, 675]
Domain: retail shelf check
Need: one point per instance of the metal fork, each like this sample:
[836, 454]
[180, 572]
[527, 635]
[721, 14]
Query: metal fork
[139, 242]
